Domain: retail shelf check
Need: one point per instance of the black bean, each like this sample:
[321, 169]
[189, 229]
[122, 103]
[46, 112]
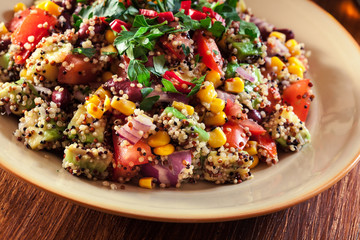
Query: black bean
[61, 98]
[134, 92]
[255, 115]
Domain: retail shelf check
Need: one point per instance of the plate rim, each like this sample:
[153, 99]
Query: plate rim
[235, 216]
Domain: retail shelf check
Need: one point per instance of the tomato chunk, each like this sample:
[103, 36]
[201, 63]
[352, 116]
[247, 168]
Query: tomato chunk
[254, 128]
[18, 20]
[177, 51]
[209, 51]
[128, 157]
[235, 135]
[274, 98]
[233, 111]
[298, 96]
[28, 34]
[267, 143]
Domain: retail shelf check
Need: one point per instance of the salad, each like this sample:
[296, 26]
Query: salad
[154, 92]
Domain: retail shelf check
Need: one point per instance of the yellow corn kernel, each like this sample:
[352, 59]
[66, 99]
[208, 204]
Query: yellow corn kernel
[278, 35]
[146, 182]
[296, 62]
[160, 138]
[217, 138]
[207, 93]
[94, 110]
[107, 104]
[108, 49]
[19, 7]
[102, 93]
[181, 106]
[252, 148]
[293, 46]
[124, 106]
[110, 36]
[234, 85]
[164, 150]
[215, 119]
[214, 77]
[23, 73]
[3, 29]
[50, 7]
[106, 76]
[297, 70]
[94, 99]
[255, 161]
[217, 105]
[277, 64]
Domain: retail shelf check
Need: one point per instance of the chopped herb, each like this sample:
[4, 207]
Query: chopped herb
[109, 8]
[81, 1]
[146, 91]
[77, 21]
[216, 52]
[137, 71]
[159, 65]
[148, 103]
[197, 59]
[88, 52]
[185, 49]
[168, 86]
[108, 53]
[198, 82]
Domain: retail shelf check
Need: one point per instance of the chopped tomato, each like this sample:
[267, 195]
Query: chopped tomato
[209, 51]
[28, 34]
[233, 111]
[235, 135]
[297, 95]
[267, 143]
[254, 128]
[211, 13]
[148, 13]
[178, 50]
[18, 20]
[180, 85]
[196, 15]
[128, 157]
[186, 5]
[166, 16]
[274, 98]
[82, 73]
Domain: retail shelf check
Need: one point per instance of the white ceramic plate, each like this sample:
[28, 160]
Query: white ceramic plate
[333, 123]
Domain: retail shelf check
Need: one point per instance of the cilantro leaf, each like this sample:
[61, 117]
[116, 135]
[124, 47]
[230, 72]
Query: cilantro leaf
[146, 91]
[249, 29]
[140, 21]
[159, 64]
[198, 82]
[217, 29]
[148, 103]
[168, 86]
[137, 71]
[109, 8]
[186, 49]
[88, 52]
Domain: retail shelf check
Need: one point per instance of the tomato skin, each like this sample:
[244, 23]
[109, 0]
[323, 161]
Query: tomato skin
[267, 143]
[254, 128]
[127, 157]
[178, 52]
[17, 20]
[297, 95]
[233, 110]
[274, 98]
[235, 135]
[29, 27]
[82, 72]
[207, 45]
[148, 13]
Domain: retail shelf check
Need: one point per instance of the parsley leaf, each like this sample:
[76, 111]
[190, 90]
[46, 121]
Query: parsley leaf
[198, 82]
[88, 52]
[109, 8]
[217, 29]
[108, 53]
[77, 21]
[186, 49]
[146, 91]
[249, 29]
[197, 59]
[216, 52]
[168, 86]
[148, 103]
[159, 65]
[137, 71]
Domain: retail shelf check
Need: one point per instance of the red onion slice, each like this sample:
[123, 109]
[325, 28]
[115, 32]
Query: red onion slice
[244, 74]
[225, 96]
[143, 123]
[128, 135]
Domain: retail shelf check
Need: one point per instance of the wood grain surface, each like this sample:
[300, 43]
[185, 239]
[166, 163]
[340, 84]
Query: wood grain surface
[29, 213]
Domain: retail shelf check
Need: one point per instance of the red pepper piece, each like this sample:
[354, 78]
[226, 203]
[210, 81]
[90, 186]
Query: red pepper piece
[186, 5]
[211, 13]
[148, 13]
[166, 16]
[178, 84]
[196, 15]
[116, 25]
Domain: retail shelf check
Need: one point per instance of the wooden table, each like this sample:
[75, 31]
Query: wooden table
[28, 213]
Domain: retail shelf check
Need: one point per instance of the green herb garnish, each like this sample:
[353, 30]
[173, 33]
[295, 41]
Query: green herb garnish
[88, 52]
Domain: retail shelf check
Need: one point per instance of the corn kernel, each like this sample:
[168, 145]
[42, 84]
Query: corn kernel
[207, 93]
[217, 105]
[107, 104]
[94, 99]
[3, 29]
[278, 35]
[293, 46]
[50, 7]
[297, 70]
[252, 148]
[180, 106]
[234, 85]
[215, 119]
[296, 62]
[23, 73]
[146, 182]
[164, 150]
[108, 49]
[102, 93]
[94, 111]
[19, 7]
[277, 64]
[214, 77]
[255, 161]
[217, 138]
[160, 138]
[124, 106]
[106, 76]
[110, 36]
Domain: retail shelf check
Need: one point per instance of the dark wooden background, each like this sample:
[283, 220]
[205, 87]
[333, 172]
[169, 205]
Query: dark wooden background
[29, 213]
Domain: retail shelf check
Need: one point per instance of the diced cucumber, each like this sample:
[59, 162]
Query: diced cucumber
[4, 61]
